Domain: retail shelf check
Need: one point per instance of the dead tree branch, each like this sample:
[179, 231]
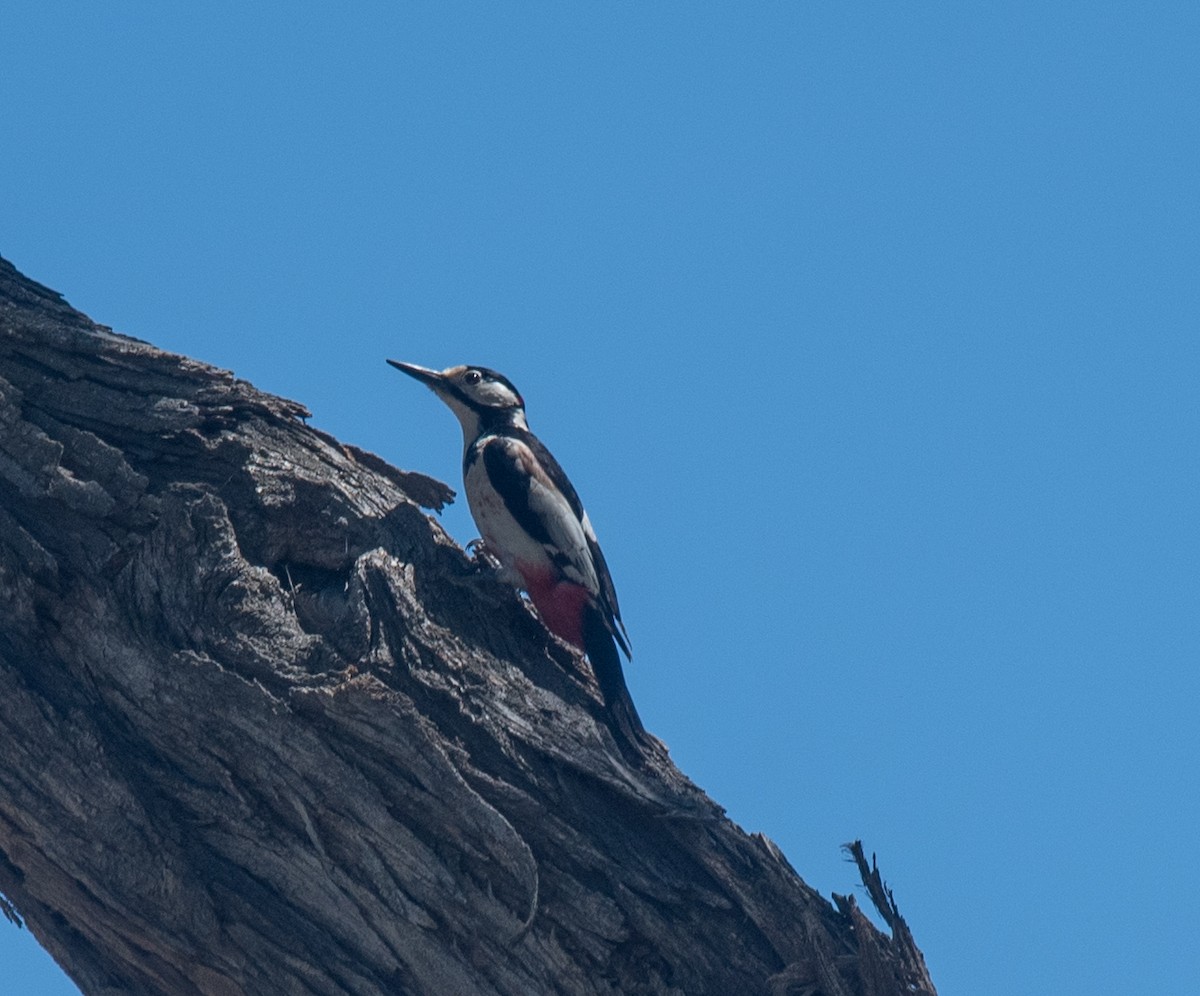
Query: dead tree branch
[266, 729]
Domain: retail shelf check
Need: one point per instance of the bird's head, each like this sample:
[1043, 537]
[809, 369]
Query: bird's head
[477, 395]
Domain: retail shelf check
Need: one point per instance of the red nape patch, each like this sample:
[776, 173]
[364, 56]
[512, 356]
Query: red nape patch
[559, 603]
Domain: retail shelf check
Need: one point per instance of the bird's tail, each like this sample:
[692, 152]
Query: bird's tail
[601, 648]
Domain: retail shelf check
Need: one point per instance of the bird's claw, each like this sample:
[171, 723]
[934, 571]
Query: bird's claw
[483, 558]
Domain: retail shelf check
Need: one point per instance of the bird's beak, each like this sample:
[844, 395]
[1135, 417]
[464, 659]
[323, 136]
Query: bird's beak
[432, 379]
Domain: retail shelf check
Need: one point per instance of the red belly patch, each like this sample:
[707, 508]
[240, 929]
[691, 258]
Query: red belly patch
[560, 603]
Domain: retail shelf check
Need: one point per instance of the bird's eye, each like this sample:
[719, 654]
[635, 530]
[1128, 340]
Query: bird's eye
[472, 377]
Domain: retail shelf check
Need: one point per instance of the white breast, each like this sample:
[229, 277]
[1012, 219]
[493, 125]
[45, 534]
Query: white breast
[504, 537]
[510, 542]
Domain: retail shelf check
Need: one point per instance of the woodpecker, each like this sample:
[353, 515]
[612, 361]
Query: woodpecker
[533, 522]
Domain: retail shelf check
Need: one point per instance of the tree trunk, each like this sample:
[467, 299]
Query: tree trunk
[266, 729]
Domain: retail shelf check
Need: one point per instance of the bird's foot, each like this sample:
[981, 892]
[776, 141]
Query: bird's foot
[482, 557]
[486, 566]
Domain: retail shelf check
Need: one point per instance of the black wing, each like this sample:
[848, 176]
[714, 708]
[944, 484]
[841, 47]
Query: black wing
[557, 477]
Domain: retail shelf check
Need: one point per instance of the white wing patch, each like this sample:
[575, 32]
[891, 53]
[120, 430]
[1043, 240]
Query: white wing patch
[568, 535]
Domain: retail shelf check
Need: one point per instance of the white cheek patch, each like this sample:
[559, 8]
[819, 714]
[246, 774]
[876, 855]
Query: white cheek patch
[489, 392]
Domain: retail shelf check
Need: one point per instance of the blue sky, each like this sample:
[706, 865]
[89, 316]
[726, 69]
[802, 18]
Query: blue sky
[869, 337]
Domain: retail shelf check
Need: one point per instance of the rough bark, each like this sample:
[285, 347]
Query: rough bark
[266, 729]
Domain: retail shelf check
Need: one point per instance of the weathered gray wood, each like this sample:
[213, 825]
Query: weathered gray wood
[266, 729]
